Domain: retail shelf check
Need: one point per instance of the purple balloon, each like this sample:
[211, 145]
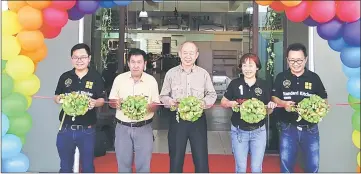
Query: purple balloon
[310, 22]
[74, 14]
[331, 30]
[351, 33]
[88, 6]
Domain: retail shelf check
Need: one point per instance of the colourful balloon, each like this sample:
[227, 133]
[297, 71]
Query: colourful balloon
[87, 7]
[16, 164]
[351, 72]
[13, 104]
[291, 3]
[350, 57]
[15, 6]
[264, 3]
[351, 33]
[10, 147]
[277, 6]
[74, 14]
[356, 120]
[23, 139]
[7, 85]
[10, 23]
[30, 40]
[354, 102]
[63, 5]
[310, 22]
[30, 100]
[107, 4]
[55, 18]
[10, 47]
[348, 11]
[356, 138]
[4, 124]
[323, 11]
[50, 32]
[28, 86]
[39, 4]
[331, 30]
[3, 64]
[20, 67]
[353, 87]
[21, 124]
[299, 12]
[358, 159]
[337, 44]
[37, 55]
[30, 18]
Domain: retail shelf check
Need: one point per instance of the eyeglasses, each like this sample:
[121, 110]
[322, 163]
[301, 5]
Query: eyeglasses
[294, 61]
[79, 58]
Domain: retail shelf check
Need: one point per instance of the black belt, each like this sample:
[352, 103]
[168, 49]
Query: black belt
[250, 128]
[77, 127]
[135, 124]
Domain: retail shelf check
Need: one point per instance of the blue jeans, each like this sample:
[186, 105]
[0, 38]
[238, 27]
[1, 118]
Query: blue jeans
[309, 140]
[245, 141]
[70, 137]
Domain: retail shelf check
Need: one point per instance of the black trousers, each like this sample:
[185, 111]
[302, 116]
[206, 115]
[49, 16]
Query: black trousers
[178, 135]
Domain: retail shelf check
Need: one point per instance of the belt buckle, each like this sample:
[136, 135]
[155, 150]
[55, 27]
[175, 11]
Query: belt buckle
[131, 124]
[299, 128]
[77, 127]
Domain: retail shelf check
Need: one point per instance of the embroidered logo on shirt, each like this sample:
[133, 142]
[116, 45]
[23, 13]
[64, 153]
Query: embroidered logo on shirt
[88, 84]
[286, 83]
[68, 82]
[308, 85]
[258, 91]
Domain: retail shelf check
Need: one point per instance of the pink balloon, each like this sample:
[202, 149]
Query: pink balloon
[63, 5]
[54, 17]
[323, 11]
[50, 32]
[348, 11]
[298, 13]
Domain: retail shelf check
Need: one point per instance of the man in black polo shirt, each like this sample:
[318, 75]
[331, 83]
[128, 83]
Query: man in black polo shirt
[81, 131]
[290, 88]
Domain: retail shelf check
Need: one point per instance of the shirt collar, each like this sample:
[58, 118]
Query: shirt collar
[141, 77]
[193, 69]
[306, 73]
[72, 72]
[256, 84]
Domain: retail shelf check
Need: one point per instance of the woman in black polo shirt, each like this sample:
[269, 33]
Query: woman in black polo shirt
[245, 136]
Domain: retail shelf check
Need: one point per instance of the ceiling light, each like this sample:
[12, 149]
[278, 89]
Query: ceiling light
[143, 14]
[249, 10]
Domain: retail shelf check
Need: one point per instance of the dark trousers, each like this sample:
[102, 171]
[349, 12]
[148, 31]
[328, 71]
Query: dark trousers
[178, 135]
[70, 137]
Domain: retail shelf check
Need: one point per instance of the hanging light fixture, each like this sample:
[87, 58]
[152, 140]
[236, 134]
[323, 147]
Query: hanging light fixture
[143, 13]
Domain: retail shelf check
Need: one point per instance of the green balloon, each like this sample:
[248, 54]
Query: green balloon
[21, 124]
[7, 85]
[356, 120]
[23, 139]
[14, 103]
[352, 100]
[3, 64]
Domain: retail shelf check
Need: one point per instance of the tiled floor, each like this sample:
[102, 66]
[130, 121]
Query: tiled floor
[218, 142]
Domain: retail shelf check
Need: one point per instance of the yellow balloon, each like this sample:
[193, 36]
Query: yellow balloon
[358, 159]
[29, 99]
[10, 47]
[28, 86]
[356, 138]
[19, 67]
[10, 23]
[264, 3]
[290, 3]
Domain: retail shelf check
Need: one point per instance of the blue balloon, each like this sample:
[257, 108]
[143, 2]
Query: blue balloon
[10, 146]
[18, 163]
[107, 3]
[331, 30]
[4, 124]
[351, 33]
[351, 72]
[337, 44]
[353, 86]
[74, 14]
[310, 22]
[350, 56]
[88, 6]
[122, 2]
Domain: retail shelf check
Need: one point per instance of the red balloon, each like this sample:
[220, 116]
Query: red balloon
[298, 13]
[50, 32]
[323, 11]
[278, 6]
[63, 5]
[54, 17]
[348, 11]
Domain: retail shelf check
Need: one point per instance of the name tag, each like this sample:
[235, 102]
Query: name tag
[240, 89]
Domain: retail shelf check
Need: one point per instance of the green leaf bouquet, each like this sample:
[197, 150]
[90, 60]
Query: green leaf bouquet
[75, 104]
[312, 109]
[135, 107]
[189, 109]
[251, 111]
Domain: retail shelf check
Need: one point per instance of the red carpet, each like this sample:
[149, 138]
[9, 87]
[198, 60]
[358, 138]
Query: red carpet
[217, 164]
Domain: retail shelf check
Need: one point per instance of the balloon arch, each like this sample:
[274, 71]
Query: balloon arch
[26, 24]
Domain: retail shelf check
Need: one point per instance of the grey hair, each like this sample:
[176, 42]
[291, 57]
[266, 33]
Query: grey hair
[191, 42]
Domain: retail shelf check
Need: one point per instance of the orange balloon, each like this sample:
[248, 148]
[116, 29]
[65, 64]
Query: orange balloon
[290, 3]
[35, 66]
[37, 55]
[30, 18]
[264, 3]
[358, 169]
[15, 6]
[39, 4]
[30, 40]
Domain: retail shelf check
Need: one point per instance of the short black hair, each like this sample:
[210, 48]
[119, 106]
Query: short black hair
[296, 47]
[137, 52]
[80, 46]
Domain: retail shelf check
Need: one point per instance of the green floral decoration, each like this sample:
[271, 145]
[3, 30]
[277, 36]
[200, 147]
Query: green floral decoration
[105, 28]
[272, 19]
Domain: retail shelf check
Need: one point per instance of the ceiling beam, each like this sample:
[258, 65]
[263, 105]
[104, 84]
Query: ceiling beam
[233, 5]
[154, 5]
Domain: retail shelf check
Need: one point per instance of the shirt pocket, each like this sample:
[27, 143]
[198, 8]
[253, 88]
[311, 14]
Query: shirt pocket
[197, 92]
[177, 91]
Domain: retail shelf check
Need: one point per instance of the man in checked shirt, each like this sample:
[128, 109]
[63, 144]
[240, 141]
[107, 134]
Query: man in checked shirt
[181, 81]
